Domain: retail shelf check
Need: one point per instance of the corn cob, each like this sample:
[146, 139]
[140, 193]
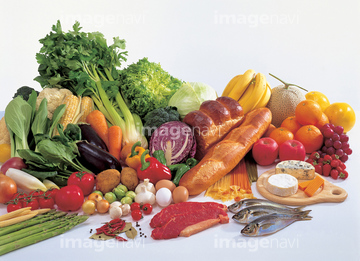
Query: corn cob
[72, 104]
[87, 106]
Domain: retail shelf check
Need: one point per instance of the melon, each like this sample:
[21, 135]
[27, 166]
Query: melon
[283, 101]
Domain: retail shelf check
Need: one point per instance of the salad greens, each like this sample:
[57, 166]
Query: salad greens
[86, 65]
[146, 86]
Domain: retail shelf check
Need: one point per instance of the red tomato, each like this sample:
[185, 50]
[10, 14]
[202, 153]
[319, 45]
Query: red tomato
[31, 202]
[36, 193]
[14, 205]
[51, 193]
[147, 208]
[136, 214]
[135, 206]
[20, 196]
[7, 188]
[84, 180]
[46, 202]
[14, 162]
[69, 198]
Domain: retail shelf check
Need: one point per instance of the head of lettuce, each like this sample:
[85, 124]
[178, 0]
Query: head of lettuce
[190, 96]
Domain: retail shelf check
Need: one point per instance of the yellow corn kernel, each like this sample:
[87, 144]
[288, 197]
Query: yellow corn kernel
[72, 104]
[87, 106]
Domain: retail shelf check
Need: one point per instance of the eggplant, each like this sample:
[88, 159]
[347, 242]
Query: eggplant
[96, 159]
[90, 135]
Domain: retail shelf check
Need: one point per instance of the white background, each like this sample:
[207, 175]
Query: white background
[314, 44]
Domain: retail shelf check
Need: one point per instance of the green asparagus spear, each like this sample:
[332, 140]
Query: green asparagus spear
[5, 239]
[26, 241]
[33, 221]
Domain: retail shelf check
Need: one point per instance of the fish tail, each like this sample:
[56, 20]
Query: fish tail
[299, 209]
[304, 215]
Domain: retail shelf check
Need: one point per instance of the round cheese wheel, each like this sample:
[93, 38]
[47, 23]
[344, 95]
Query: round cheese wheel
[283, 185]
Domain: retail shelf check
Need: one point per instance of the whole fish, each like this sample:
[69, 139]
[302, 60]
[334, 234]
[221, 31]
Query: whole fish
[249, 214]
[272, 223]
[237, 206]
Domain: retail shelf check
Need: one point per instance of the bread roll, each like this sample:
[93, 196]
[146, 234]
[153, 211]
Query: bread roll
[213, 120]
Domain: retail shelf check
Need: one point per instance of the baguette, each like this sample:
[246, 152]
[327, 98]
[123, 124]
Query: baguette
[213, 121]
[226, 154]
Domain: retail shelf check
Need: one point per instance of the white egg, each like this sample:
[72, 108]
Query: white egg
[163, 197]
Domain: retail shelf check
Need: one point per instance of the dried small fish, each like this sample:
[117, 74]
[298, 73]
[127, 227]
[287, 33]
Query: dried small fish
[272, 223]
[237, 206]
[249, 214]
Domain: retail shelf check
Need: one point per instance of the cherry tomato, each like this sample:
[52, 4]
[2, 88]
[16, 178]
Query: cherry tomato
[51, 193]
[20, 196]
[147, 208]
[7, 188]
[13, 205]
[84, 180]
[31, 202]
[69, 198]
[103, 206]
[36, 193]
[136, 214]
[14, 162]
[46, 202]
[89, 207]
[135, 206]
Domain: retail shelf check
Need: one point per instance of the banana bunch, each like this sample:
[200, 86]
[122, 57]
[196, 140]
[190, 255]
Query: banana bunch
[250, 89]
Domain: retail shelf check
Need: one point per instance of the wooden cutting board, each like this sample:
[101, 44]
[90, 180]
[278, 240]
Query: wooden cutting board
[327, 193]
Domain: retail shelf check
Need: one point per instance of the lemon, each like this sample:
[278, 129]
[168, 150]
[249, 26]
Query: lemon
[341, 113]
[319, 97]
[5, 152]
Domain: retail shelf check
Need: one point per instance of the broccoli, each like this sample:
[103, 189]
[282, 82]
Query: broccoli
[157, 117]
[24, 92]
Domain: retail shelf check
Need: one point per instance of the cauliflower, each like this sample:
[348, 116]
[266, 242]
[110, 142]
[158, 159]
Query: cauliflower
[4, 133]
[54, 98]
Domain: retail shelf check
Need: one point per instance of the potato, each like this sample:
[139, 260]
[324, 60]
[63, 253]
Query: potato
[129, 178]
[107, 180]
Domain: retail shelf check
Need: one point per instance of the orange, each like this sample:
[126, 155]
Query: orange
[324, 119]
[310, 136]
[269, 130]
[319, 97]
[281, 135]
[291, 124]
[308, 112]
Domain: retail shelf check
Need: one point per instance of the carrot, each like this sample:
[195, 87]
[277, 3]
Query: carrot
[115, 139]
[314, 185]
[97, 121]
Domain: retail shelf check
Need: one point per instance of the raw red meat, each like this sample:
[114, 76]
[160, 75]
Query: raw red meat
[167, 213]
[191, 217]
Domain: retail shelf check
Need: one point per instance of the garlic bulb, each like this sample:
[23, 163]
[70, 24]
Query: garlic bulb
[144, 196]
[147, 184]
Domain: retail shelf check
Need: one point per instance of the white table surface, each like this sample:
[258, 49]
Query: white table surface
[332, 234]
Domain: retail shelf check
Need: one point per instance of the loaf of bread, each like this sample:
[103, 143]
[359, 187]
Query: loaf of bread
[226, 154]
[213, 120]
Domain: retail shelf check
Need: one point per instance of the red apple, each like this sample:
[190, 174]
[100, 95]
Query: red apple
[265, 151]
[292, 150]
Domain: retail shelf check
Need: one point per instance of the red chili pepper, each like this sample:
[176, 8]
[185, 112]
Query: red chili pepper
[118, 238]
[152, 169]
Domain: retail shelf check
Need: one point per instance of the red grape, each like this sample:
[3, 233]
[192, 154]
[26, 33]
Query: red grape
[328, 133]
[348, 151]
[339, 152]
[328, 143]
[345, 145]
[344, 137]
[344, 158]
[330, 151]
[339, 129]
[337, 144]
[335, 137]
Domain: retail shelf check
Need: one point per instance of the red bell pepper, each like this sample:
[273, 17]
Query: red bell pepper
[152, 169]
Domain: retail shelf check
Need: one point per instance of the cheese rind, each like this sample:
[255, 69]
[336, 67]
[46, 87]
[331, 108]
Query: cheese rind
[296, 168]
[283, 185]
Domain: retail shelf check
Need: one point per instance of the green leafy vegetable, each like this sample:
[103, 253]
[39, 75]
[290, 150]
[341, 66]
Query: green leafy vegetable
[24, 92]
[146, 86]
[190, 96]
[157, 117]
[86, 65]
